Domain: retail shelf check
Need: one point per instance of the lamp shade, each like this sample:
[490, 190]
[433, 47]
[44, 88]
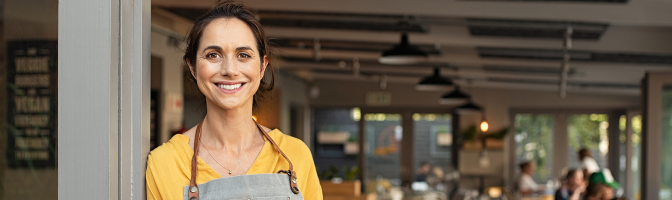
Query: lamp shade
[468, 108]
[403, 54]
[454, 97]
[435, 82]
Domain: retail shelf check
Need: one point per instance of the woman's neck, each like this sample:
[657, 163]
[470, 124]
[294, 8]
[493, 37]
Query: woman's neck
[231, 130]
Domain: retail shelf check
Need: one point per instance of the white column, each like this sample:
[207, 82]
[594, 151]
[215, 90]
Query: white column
[103, 94]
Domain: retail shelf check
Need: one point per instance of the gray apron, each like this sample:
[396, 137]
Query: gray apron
[280, 186]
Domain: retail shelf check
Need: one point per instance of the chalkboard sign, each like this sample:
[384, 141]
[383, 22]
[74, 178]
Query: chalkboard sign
[32, 103]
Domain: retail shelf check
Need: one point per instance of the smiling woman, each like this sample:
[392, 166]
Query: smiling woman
[228, 55]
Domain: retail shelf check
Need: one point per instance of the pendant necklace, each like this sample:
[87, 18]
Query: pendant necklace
[230, 171]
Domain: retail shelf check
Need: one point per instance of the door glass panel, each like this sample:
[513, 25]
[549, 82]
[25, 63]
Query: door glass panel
[636, 161]
[666, 159]
[622, 122]
[383, 147]
[534, 136]
[28, 99]
[588, 131]
[433, 138]
[336, 132]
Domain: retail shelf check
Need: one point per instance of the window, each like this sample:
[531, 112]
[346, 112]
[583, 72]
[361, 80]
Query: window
[533, 137]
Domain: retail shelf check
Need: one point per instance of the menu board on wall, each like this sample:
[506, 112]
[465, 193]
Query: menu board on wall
[32, 103]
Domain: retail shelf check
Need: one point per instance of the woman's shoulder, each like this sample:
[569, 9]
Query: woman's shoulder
[175, 149]
[289, 144]
[284, 139]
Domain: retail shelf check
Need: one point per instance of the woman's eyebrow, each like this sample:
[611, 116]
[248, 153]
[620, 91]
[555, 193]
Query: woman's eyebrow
[218, 48]
[244, 48]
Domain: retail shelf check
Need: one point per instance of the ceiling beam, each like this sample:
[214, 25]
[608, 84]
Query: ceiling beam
[635, 12]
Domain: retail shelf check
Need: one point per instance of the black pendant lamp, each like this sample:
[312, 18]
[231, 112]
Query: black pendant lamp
[403, 53]
[454, 97]
[469, 108]
[435, 82]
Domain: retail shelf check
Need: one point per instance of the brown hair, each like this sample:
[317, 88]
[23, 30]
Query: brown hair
[584, 153]
[525, 164]
[571, 173]
[595, 190]
[228, 10]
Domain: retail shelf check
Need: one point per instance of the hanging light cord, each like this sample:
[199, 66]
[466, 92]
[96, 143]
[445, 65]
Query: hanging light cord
[566, 46]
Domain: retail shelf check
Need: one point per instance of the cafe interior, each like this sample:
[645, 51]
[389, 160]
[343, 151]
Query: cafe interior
[432, 99]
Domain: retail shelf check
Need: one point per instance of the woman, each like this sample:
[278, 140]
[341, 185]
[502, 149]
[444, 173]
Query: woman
[598, 191]
[525, 184]
[588, 164]
[228, 155]
[573, 187]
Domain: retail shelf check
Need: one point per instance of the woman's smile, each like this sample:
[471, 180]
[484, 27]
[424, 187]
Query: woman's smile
[229, 88]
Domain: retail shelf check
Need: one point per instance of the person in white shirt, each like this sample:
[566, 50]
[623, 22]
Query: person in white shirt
[525, 184]
[588, 164]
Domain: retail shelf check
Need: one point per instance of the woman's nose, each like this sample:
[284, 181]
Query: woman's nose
[229, 68]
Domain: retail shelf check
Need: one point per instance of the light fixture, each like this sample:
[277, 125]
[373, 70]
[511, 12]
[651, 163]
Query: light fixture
[468, 108]
[484, 126]
[403, 53]
[454, 97]
[483, 159]
[435, 82]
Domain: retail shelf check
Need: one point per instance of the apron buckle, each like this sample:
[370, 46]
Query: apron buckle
[292, 181]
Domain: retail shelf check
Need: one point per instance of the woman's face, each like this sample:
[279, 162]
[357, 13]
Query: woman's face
[577, 179]
[607, 193]
[228, 67]
[530, 169]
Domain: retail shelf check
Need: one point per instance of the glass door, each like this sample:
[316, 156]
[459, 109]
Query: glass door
[534, 143]
[384, 135]
[432, 144]
[657, 137]
[588, 132]
[666, 159]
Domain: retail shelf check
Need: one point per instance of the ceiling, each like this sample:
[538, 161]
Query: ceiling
[514, 44]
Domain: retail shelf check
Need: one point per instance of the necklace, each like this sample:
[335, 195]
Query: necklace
[230, 171]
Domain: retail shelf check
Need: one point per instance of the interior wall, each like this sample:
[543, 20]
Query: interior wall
[25, 20]
[293, 93]
[169, 50]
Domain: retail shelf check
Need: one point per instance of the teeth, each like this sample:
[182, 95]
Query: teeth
[230, 87]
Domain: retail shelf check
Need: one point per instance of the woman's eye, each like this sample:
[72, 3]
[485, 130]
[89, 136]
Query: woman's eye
[212, 56]
[244, 55]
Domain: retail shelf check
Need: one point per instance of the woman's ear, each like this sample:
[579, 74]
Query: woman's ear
[191, 69]
[263, 66]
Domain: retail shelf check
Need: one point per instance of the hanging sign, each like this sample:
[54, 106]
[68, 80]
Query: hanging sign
[378, 98]
[31, 104]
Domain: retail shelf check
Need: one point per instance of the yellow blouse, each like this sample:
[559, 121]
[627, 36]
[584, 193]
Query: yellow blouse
[169, 166]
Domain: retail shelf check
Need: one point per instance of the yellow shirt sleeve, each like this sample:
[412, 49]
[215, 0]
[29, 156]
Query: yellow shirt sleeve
[152, 188]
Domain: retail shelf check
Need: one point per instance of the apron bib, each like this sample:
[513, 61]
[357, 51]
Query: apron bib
[280, 186]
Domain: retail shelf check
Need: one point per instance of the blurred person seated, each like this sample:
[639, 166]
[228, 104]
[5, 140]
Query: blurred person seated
[435, 178]
[588, 163]
[597, 183]
[599, 191]
[573, 186]
[525, 184]
[423, 171]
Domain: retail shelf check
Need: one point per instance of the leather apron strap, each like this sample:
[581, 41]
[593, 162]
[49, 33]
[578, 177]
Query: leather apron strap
[193, 187]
